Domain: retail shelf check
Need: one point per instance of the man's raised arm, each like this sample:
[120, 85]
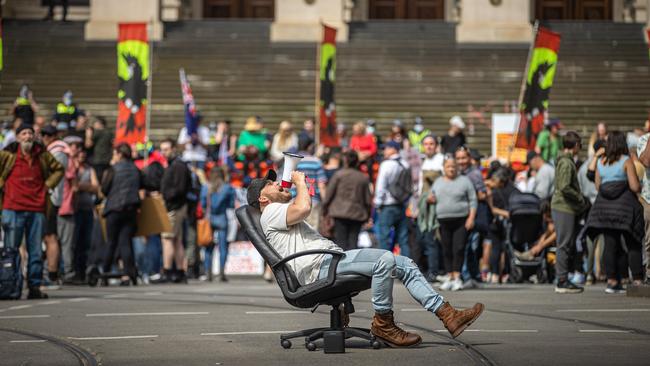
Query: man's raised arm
[300, 208]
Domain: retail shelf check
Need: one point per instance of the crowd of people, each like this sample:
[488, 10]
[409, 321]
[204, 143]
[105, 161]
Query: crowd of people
[430, 198]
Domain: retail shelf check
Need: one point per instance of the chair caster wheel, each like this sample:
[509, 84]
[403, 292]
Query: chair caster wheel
[311, 346]
[286, 344]
[375, 344]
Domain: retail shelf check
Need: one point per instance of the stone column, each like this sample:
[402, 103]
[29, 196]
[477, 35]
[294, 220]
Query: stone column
[481, 21]
[299, 20]
[105, 15]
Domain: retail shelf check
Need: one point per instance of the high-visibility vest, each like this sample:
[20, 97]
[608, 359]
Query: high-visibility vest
[22, 101]
[416, 139]
[61, 108]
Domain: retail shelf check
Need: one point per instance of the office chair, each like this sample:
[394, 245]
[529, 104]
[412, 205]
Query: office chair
[334, 290]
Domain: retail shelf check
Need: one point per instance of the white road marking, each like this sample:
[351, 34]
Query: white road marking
[277, 312]
[79, 299]
[53, 302]
[23, 316]
[29, 341]
[111, 338]
[503, 330]
[18, 307]
[604, 331]
[149, 314]
[153, 293]
[244, 333]
[115, 296]
[602, 310]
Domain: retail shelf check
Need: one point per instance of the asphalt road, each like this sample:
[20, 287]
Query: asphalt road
[238, 323]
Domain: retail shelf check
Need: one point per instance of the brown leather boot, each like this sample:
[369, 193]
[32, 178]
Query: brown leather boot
[385, 330]
[457, 320]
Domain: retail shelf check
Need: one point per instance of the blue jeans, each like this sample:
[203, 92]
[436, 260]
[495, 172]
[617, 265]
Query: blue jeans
[154, 253]
[17, 224]
[384, 267]
[431, 250]
[470, 265]
[393, 216]
[140, 254]
[222, 237]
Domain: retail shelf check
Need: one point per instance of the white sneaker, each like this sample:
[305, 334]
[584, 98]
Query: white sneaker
[443, 278]
[446, 286]
[457, 285]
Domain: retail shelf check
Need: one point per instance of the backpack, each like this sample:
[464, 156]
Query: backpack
[402, 187]
[11, 278]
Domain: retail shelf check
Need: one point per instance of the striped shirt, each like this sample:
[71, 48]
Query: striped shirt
[314, 173]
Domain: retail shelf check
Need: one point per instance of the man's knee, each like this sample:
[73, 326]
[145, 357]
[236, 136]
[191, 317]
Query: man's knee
[385, 263]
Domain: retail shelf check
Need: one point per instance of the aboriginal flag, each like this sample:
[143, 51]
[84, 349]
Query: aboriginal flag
[327, 106]
[541, 70]
[132, 72]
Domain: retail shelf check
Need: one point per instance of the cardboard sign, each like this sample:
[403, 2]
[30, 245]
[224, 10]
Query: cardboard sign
[243, 259]
[152, 218]
[503, 130]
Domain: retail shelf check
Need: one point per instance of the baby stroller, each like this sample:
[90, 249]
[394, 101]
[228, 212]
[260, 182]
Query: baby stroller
[523, 229]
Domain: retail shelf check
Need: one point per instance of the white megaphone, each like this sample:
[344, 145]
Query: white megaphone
[290, 162]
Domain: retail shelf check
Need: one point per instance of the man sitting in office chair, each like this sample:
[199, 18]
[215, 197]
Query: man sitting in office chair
[283, 224]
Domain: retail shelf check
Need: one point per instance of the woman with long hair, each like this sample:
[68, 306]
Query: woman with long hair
[456, 203]
[617, 214]
[216, 198]
[599, 134]
[283, 141]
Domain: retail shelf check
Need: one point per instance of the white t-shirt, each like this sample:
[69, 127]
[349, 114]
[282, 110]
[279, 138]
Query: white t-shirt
[287, 240]
[194, 152]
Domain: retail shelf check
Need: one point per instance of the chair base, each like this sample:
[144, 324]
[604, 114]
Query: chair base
[333, 336]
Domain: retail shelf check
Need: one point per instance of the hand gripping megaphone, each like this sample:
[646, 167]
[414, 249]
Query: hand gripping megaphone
[290, 162]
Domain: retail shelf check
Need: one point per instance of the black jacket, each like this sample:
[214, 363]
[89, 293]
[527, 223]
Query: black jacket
[121, 185]
[616, 208]
[176, 183]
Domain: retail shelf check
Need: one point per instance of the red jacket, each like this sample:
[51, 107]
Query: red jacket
[366, 143]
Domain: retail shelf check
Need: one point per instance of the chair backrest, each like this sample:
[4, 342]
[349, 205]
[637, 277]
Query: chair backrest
[249, 219]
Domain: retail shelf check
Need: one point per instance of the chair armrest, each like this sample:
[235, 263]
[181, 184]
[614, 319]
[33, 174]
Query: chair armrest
[318, 285]
[307, 252]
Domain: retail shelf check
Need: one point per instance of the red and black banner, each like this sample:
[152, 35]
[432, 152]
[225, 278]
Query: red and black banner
[541, 70]
[327, 125]
[132, 72]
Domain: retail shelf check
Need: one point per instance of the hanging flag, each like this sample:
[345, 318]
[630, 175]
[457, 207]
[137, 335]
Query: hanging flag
[132, 72]
[191, 115]
[541, 70]
[327, 106]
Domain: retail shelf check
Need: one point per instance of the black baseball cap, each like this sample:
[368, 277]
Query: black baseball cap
[256, 187]
[48, 130]
[530, 156]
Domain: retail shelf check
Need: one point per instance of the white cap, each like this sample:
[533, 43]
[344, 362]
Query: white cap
[457, 121]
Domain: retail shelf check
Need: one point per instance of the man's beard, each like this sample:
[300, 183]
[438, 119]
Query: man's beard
[26, 146]
[282, 198]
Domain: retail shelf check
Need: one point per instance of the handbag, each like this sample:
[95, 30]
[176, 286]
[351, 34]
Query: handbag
[203, 227]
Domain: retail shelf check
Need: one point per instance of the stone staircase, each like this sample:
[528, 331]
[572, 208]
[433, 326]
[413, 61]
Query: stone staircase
[387, 70]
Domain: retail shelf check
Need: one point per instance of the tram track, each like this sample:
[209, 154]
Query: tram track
[83, 356]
